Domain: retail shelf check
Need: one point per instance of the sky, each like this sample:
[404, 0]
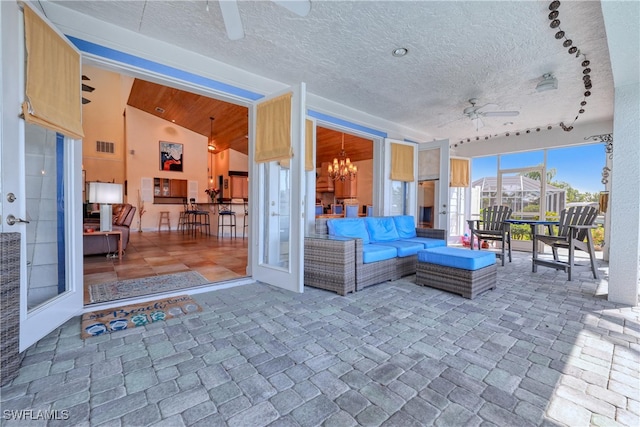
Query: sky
[580, 166]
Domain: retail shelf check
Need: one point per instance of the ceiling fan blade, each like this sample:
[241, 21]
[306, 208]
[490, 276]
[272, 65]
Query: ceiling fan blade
[231, 18]
[87, 88]
[85, 77]
[299, 7]
[501, 113]
[85, 100]
[486, 107]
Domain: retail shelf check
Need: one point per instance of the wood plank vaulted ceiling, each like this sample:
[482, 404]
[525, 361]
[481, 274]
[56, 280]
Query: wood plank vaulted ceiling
[231, 122]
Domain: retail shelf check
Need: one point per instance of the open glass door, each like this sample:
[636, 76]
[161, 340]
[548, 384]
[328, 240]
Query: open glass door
[278, 216]
[41, 200]
[433, 189]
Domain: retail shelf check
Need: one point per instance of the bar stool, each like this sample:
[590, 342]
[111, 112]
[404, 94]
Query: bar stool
[245, 218]
[200, 218]
[224, 211]
[164, 220]
[185, 221]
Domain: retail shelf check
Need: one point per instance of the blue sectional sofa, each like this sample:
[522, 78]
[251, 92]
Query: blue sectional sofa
[349, 254]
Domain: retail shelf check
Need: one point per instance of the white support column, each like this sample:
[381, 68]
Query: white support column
[621, 22]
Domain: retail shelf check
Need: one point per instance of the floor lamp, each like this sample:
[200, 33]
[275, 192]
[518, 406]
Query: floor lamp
[105, 193]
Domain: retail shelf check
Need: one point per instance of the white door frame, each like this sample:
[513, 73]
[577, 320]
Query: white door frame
[290, 277]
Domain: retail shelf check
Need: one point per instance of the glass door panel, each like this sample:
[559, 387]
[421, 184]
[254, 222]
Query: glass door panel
[277, 203]
[45, 198]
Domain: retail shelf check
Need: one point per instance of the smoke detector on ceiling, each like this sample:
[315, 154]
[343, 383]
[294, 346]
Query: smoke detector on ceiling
[548, 83]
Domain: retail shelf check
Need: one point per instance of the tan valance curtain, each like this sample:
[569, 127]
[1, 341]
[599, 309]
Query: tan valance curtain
[308, 140]
[459, 173]
[273, 130]
[53, 94]
[402, 162]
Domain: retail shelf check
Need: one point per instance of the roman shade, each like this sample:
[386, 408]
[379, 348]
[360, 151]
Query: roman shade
[53, 96]
[459, 173]
[273, 129]
[402, 162]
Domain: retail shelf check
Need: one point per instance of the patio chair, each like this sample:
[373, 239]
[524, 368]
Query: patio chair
[493, 227]
[574, 227]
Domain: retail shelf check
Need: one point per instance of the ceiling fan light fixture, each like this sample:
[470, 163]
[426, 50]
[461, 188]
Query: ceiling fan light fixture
[548, 83]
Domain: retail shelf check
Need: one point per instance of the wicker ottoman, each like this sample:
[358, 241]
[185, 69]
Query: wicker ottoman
[461, 271]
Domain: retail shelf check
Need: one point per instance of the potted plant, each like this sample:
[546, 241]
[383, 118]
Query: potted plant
[212, 192]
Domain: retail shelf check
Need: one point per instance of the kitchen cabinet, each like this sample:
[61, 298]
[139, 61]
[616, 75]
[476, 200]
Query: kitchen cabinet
[239, 187]
[346, 189]
[169, 191]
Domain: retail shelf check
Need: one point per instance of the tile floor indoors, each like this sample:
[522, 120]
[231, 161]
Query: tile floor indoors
[538, 350]
[155, 253]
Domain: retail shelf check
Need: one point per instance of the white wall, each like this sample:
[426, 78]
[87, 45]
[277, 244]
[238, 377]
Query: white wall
[553, 138]
[143, 134]
[103, 120]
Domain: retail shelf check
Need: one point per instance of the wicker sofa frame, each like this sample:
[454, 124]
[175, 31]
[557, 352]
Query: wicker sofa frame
[336, 264]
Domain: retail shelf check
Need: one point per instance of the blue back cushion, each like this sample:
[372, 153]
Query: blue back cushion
[405, 225]
[381, 228]
[348, 227]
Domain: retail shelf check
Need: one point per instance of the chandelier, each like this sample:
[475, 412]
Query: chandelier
[342, 168]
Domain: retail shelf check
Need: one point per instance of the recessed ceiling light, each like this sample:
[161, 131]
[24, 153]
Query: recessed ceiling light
[508, 123]
[159, 110]
[400, 51]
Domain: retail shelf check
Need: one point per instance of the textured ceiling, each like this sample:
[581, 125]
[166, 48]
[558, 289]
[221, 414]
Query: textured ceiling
[493, 51]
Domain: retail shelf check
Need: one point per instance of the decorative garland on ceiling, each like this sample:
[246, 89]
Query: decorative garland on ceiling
[586, 77]
[573, 50]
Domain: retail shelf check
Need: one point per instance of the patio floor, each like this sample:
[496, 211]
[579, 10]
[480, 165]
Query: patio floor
[538, 350]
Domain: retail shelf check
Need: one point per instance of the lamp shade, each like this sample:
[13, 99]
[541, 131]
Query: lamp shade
[105, 192]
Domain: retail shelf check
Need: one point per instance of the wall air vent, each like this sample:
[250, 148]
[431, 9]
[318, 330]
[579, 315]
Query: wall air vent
[105, 147]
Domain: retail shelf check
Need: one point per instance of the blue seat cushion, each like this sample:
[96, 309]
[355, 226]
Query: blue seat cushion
[381, 229]
[464, 259]
[405, 225]
[348, 227]
[427, 242]
[404, 247]
[373, 253]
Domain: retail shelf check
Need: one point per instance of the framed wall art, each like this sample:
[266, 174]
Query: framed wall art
[171, 156]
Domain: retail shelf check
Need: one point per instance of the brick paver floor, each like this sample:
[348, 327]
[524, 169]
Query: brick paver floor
[538, 350]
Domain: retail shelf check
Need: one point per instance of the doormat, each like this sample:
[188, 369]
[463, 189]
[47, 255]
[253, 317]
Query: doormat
[129, 316]
[103, 292]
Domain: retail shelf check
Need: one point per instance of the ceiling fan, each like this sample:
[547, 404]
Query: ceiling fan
[233, 23]
[475, 113]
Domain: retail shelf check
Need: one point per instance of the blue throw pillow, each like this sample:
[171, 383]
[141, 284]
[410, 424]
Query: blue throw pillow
[381, 228]
[348, 227]
[405, 225]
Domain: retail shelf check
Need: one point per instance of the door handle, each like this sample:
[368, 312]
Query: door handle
[275, 214]
[11, 220]
[443, 213]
